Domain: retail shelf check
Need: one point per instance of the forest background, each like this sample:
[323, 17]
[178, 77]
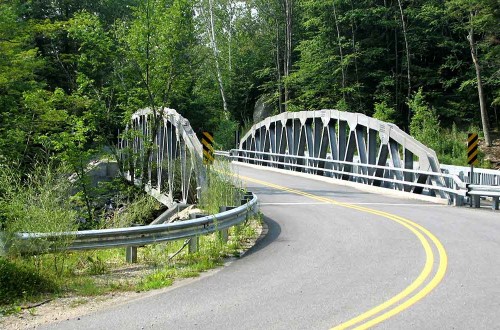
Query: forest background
[72, 72]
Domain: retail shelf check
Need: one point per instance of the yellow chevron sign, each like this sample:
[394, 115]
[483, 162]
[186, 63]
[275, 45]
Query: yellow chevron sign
[207, 139]
[472, 142]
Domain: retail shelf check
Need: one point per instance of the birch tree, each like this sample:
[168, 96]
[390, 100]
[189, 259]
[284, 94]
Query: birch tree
[407, 51]
[475, 18]
[207, 11]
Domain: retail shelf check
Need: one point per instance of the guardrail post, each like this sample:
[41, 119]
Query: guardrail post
[246, 198]
[193, 244]
[131, 254]
[495, 203]
[224, 233]
[458, 200]
[476, 201]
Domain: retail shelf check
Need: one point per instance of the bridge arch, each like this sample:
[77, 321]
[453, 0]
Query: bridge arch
[344, 138]
[175, 163]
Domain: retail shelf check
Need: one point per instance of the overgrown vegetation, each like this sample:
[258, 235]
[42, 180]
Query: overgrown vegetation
[212, 253]
[39, 203]
[223, 188]
[89, 273]
[23, 282]
[447, 142]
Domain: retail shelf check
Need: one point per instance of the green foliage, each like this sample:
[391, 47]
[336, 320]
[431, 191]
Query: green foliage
[72, 72]
[449, 144]
[424, 124]
[140, 211]
[40, 203]
[157, 280]
[97, 265]
[224, 134]
[384, 113]
[211, 254]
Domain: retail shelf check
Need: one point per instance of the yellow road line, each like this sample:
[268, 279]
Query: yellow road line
[419, 231]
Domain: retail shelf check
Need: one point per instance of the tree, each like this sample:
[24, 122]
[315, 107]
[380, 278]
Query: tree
[18, 66]
[206, 9]
[156, 47]
[477, 19]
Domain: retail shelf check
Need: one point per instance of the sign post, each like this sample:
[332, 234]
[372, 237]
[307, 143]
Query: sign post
[472, 142]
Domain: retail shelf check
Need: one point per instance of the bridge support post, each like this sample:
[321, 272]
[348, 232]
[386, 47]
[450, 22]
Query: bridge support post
[131, 254]
[476, 201]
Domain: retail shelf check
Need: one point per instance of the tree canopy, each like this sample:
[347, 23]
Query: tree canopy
[72, 72]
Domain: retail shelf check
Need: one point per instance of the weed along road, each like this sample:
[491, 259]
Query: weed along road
[337, 257]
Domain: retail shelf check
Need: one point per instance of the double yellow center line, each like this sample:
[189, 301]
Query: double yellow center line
[412, 293]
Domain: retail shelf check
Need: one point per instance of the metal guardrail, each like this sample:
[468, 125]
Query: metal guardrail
[222, 153]
[481, 176]
[478, 191]
[138, 236]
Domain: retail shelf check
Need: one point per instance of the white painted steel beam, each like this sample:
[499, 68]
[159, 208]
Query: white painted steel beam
[344, 137]
[177, 154]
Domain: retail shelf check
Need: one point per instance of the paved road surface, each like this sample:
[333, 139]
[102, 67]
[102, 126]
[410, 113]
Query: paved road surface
[324, 262]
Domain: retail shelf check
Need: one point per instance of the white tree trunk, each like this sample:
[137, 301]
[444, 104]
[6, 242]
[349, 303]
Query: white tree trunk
[341, 53]
[278, 69]
[213, 43]
[288, 48]
[407, 49]
[480, 91]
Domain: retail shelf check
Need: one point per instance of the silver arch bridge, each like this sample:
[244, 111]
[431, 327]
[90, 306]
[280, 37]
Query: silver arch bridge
[343, 145]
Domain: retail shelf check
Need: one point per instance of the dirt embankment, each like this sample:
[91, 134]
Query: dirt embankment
[492, 153]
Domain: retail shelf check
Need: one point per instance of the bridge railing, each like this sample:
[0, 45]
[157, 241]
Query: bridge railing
[454, 186]
[376, 175]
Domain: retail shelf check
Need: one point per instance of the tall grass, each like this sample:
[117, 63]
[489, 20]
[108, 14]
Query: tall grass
[38, 203]
[41, 203]
[223, 189]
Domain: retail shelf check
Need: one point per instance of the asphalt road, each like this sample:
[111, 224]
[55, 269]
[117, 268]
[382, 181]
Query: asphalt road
[333, 253]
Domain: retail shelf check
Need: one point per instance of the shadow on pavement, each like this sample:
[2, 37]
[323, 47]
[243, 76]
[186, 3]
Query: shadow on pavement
[273, 232]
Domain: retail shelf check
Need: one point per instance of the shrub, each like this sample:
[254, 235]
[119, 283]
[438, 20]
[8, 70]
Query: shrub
[449, 144]
[38, 203]
[424, 124]
[384, 113]
[224, 134]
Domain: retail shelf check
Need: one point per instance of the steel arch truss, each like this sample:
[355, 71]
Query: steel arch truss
[336, 143]
[167, 149]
